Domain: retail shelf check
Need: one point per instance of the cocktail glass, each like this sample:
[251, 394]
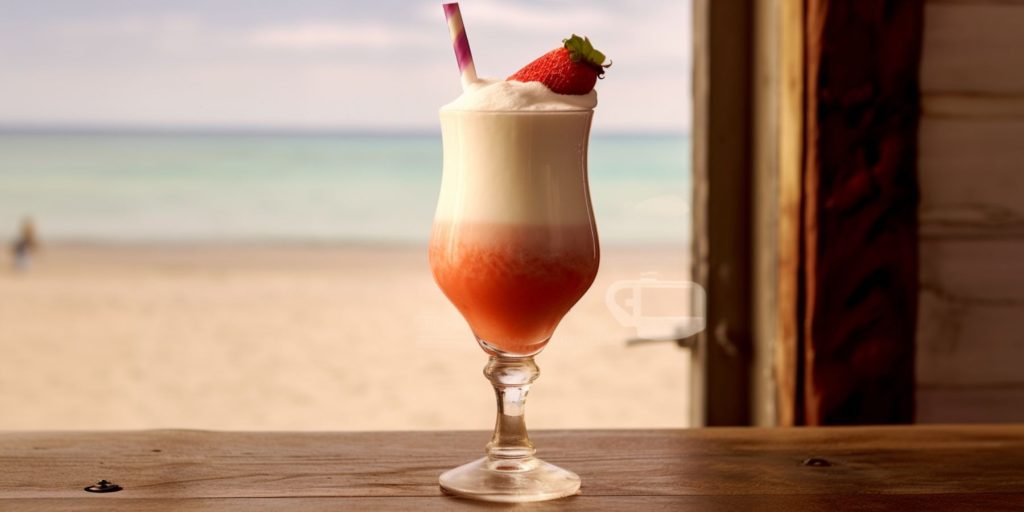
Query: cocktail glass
[513, 247]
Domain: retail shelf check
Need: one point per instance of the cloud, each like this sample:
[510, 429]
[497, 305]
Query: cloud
[494, 14]
[307, 36]
[169, 33]
[129, 25]
[508, 15]
[193, 63]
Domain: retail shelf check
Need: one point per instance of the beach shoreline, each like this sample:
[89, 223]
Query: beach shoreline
[301, 336]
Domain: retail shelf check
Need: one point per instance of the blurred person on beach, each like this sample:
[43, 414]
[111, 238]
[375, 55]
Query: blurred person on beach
[24, 245]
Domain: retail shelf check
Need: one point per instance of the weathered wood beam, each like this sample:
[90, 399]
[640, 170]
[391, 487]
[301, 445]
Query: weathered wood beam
[860, 211]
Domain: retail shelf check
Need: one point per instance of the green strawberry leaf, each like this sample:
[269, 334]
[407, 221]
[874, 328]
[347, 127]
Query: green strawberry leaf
[581, 50]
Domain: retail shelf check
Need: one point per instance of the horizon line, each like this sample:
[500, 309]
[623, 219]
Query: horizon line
[249, 130]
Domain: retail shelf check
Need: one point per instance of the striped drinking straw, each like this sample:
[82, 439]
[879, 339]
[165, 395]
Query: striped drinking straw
[460, 42]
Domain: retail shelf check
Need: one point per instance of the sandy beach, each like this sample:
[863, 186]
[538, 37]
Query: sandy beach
[301, 338]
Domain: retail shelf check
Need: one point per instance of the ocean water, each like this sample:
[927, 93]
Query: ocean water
[298, 188]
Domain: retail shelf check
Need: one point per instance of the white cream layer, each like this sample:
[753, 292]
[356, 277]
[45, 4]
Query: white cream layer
[502, 95]
[515, 167]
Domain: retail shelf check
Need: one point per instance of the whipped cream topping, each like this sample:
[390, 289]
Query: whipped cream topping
[506, 95]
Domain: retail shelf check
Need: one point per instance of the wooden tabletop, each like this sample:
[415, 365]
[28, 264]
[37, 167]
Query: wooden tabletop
[876, 468]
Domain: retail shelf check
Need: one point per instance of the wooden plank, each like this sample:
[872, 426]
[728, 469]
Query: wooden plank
[791, 166]
[985, 271]
[765, 212]
[972, 106]
[777, 159]
[951, 502]
[971, 178]
[765, 221]
[701, 462]
[971, 213]
[973, 47]
[971, 306]
[721, 369]
[995, 404]
[964, 343]
[860, 238]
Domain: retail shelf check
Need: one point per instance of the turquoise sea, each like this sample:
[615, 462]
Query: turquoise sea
[194, 187]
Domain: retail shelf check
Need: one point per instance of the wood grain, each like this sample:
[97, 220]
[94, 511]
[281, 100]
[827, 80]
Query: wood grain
[722, 210]
[860, 237]
[791, 152]
[973, 47]
[971, 178]
[967, 404]
[945, 502]
[765, 208]
[712, 469]
[969, 106]
[969, 343]
[971, 306]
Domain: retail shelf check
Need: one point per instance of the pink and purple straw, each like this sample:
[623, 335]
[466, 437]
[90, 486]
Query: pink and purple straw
[460, 42]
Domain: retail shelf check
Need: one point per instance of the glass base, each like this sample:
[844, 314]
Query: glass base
[510, 481]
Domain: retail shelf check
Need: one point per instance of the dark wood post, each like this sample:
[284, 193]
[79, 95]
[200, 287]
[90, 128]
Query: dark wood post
[859, 235]
[722, 214]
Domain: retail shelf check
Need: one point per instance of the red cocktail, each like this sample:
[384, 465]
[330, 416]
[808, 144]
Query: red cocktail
[513, 247]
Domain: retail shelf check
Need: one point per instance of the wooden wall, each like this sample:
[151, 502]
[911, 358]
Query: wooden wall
[970, 353]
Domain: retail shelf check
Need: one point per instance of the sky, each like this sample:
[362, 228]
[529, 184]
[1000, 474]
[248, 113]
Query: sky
[382, 65]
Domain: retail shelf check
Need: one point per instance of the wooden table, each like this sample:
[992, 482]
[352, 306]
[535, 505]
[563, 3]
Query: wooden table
[929, 468]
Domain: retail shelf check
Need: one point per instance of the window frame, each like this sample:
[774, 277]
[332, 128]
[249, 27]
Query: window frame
[747, 164]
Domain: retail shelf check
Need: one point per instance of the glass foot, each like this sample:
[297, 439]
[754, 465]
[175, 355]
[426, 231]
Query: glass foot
[510, 481]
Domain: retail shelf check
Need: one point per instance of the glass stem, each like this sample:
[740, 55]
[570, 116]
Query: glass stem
[510, 448]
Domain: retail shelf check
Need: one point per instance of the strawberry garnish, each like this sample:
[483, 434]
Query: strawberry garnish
[572, 69]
